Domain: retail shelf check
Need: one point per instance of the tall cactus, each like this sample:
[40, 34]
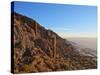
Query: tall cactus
[35, 28]
[54, 45]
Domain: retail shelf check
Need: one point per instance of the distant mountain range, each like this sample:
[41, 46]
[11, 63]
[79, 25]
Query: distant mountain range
[85, 51]
[37, 49]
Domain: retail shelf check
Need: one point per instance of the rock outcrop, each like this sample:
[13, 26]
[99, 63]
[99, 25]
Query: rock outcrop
[37, 49]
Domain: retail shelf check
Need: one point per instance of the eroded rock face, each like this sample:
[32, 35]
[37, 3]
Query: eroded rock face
[34, 50]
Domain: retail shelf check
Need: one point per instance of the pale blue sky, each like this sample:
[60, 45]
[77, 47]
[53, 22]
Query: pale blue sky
[66, 20]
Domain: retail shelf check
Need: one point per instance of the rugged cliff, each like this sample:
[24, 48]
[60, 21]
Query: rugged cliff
[37, 49]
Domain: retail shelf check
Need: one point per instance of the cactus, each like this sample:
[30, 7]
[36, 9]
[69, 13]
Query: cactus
[35, 28]
[54, 45]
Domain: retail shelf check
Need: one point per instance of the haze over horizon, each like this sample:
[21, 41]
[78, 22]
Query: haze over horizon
[66, 20]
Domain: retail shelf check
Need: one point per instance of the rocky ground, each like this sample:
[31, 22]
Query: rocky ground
[37, 49]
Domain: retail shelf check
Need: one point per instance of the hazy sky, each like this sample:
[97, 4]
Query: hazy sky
[66, 20]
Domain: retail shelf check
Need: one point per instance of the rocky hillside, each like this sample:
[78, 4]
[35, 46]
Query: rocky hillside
[37, 49]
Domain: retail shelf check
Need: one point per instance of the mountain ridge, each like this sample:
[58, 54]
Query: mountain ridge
[37, 49]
